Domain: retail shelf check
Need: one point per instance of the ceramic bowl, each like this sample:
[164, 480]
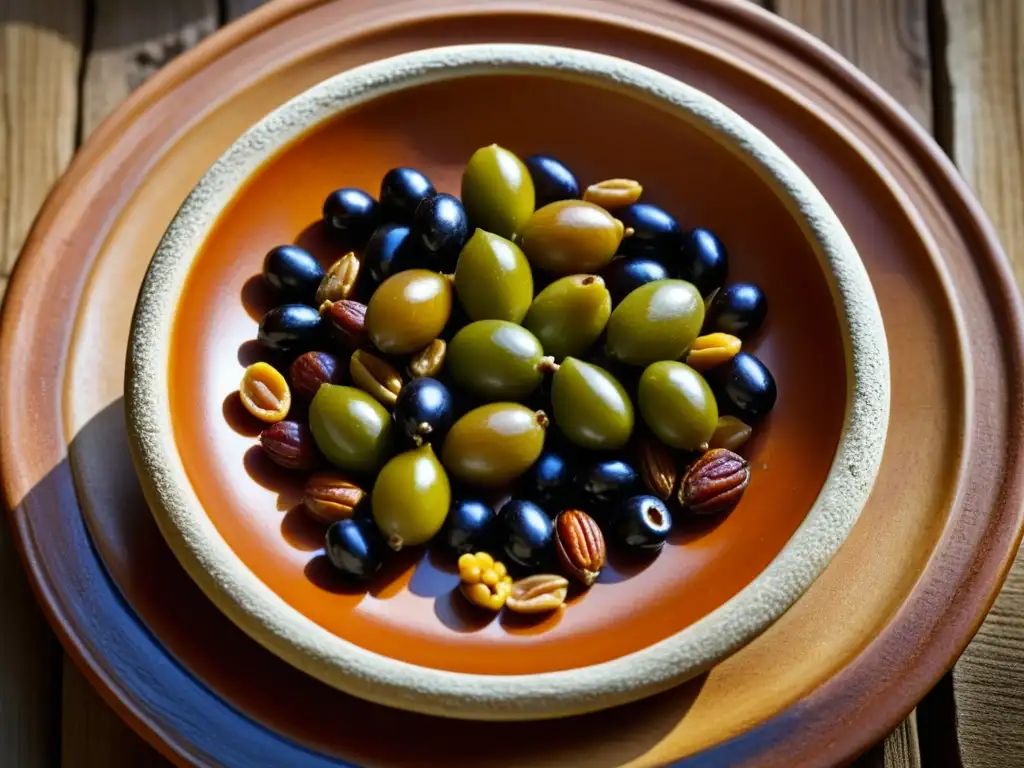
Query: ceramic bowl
[234, 520]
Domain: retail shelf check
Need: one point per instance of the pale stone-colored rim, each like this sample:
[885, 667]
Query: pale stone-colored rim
[283, 630]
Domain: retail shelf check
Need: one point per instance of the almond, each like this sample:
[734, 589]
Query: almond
[658, 467]
[715, 482]
[580, 545]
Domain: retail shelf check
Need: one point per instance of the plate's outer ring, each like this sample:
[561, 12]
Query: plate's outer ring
[182, 718]
[284, 630]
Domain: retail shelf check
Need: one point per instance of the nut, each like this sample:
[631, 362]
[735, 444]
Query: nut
[347, 321]
[712, 350]
[658, 467]
[613, 193]
[340, 280]
[375, 376]
[290, 444]
[329, 496]
[580, 545]
[485, 581]
[730, 433]
[265, 393]
[538, 594]
[429, 361]
[312, 370]
[715, 482]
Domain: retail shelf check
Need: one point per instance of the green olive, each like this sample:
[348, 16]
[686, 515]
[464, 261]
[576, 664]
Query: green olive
[657, 321]
[408, 311]
[677, 405]
[493, 279]
[411, 498]
[569, 315]
[497, 191]
[571, 236]
[350, 428]
[496, 360]
[590, 406]
[494, 444]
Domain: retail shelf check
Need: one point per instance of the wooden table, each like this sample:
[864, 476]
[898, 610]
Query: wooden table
[954, 65]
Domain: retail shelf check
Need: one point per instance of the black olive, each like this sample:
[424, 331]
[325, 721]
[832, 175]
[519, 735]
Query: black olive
[355, 547]
[552, 181]
[290, 328]
[401, 190]
[624, 275]
[656, 235]
[527, 534]
[743, 387]
[549, 481]
[704, 260]
[604, 482]
[294, 272]
[738, 309]
[350, 215]
[424, 410]
[642, 524]
[389, 250]
[440, 229]
[470, 526]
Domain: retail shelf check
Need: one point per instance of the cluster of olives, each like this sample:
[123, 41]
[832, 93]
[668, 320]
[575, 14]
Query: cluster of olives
[530, 316]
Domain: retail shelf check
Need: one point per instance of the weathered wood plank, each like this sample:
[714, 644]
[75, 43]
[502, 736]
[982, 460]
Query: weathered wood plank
[985, 62]
[888, 41]
[235, 8]
[40, 56]
[130, 41]
[93, 736]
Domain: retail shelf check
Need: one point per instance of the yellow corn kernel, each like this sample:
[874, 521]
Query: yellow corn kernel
[484, 560]
[490, 578]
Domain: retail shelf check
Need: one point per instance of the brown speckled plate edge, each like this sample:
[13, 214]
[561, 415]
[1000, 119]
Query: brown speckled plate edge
[955, 588]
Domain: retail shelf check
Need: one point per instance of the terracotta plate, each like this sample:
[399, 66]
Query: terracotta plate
[877, 629]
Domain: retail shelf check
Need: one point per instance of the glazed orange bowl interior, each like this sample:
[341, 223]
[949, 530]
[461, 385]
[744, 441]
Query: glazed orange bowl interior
[412, 610]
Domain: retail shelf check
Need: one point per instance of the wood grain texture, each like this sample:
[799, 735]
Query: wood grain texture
[93, 736]
[986, 70]
[985, 62]
[888, 41]
[40, 56]
[131, 40]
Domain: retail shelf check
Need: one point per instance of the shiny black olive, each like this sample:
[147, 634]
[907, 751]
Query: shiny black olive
[355, 547]
[290, 328]
[527, 534]
[624, 275]
[293, 271]
[738, 309]
[743, 387]
[440, 229]
[552, 181]
[704, 260]
[424, 410]
[642, 524]
[350, 215]
[390, 249]
[604, 482]
[471, 525]
[401, 190]
[549, 481]
[656, 235]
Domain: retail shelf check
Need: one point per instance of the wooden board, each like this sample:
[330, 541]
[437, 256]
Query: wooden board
[41, 53]
[985, 63]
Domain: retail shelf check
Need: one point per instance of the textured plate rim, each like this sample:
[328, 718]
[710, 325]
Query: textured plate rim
[283, 630]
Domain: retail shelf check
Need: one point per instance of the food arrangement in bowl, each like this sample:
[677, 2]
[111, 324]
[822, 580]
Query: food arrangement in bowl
[539, 386]
[440, 355]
